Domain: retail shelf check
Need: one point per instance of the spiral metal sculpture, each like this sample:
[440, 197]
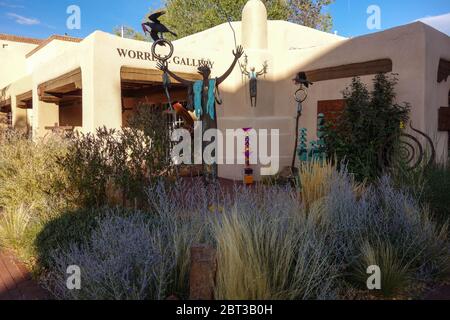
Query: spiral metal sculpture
[407, 150]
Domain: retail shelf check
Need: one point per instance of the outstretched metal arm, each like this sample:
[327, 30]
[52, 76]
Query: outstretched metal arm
[263, 70]
[237, 55]
[163, 67]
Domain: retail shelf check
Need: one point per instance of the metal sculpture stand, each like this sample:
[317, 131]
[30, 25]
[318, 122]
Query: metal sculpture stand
[300, 96]
[163, 59]
[411, 151]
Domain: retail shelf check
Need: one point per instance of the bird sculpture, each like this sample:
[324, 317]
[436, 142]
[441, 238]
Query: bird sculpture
[155, 28]
[302, 79]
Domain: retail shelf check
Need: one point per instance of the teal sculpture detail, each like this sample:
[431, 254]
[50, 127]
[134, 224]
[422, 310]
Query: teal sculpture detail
[317, 148]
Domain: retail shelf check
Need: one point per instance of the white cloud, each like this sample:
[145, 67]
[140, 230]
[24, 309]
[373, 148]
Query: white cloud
[10, 5]
[441, 23]
[23, 20]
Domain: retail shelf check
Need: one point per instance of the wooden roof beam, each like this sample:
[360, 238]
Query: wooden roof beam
[137, 75]
[350, 70]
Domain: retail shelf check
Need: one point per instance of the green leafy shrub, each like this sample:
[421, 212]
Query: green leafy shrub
[367, 122]
[127, 160]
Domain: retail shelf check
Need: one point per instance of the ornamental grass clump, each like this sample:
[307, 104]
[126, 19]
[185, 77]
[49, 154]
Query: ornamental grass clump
[267, 250]
[13, 226]
[30, 175]
[395, 271]
[267, 257]
[314, 181]
[32, 189]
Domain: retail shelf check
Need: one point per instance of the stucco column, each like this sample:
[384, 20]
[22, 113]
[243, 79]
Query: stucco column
[102, 104]
[254, 25]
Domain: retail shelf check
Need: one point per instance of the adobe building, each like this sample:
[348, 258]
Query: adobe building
[98, 81]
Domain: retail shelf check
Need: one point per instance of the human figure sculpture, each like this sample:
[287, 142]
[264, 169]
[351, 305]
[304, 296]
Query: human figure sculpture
[253, 76]
[205, 102]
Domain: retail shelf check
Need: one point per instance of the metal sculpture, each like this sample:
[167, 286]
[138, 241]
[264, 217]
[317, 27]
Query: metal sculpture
[248, 171]
[253, 79]
[408, 150]
[205, 100]
[156, 25]
[156, 29]
[300, 96]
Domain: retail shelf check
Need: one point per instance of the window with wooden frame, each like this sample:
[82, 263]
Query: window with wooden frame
[331, 109]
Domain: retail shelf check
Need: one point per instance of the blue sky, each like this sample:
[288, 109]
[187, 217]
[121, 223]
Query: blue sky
[46, 17]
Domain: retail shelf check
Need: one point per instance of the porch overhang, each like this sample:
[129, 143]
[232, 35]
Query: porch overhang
[5, 105]
[138, 83]
[25, 100]
[67, 86]
[137, 75]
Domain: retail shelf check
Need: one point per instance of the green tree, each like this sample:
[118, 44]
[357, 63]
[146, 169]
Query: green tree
[129, 33]
[367, 122]
[186, 17]
[311, 14]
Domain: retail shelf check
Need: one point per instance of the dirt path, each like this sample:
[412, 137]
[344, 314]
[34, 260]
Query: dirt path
[16, 282]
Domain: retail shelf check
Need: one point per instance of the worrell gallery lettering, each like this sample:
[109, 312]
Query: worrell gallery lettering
[147, 56]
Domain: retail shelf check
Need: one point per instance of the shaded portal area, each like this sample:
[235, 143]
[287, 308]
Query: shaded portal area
[5, 113]
[66, 94]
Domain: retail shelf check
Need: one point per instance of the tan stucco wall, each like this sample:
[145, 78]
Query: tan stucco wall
[21, 118]
[13, 61]
[436, 95]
